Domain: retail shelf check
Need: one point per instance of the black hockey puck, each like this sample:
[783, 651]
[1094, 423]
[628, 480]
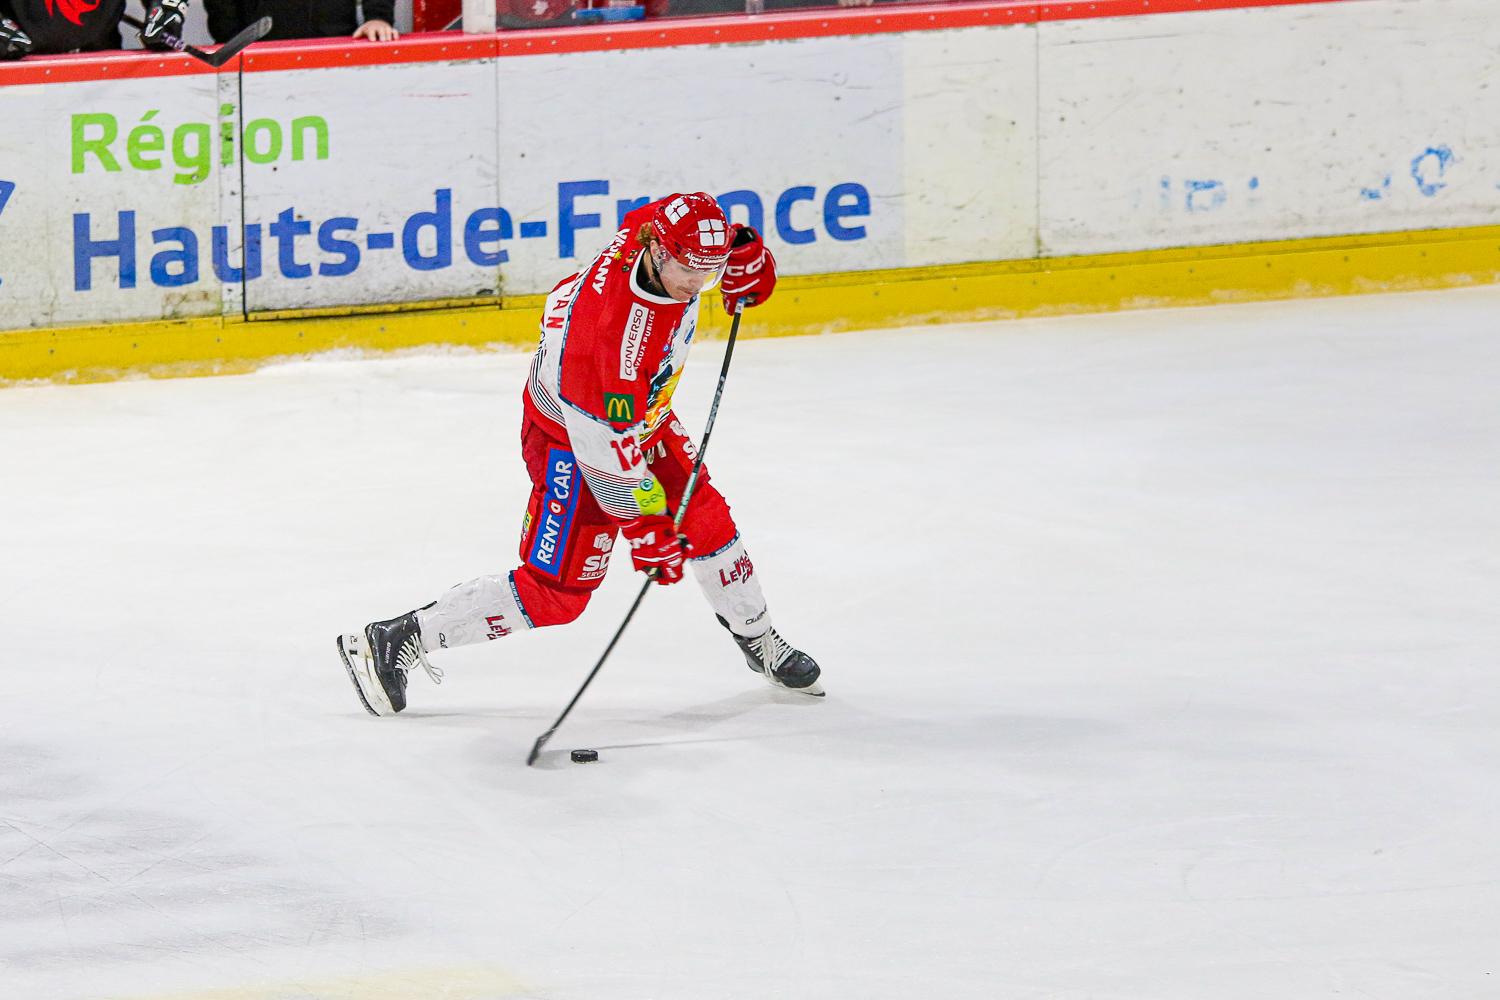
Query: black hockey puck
[584, 756]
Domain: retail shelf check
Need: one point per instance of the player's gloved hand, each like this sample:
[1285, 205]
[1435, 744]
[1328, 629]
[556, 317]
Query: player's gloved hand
[163, 18]
[751, 271]
[655, 545]
[14, 43]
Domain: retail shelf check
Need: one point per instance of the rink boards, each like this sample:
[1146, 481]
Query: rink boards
[906, 164]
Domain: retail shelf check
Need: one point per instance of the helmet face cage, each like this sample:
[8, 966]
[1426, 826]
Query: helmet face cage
[675, 272]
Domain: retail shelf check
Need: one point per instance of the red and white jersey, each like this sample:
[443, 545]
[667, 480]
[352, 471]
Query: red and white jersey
[610, 356]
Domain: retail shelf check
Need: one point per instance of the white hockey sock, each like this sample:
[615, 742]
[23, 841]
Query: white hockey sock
[729, 582]
[486, 608]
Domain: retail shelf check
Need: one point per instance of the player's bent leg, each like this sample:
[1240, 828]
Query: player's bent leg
[485, 608]
[728, 579]
[379, 660]
[723, 567]
[708, 525]
[549, 602]
[479, 610]
[565, 548]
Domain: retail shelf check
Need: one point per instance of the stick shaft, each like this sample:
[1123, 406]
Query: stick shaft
[226, 52]
[713, 413]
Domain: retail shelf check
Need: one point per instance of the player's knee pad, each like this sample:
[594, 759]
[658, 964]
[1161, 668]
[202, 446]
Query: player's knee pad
[708, 525]
[547, 602]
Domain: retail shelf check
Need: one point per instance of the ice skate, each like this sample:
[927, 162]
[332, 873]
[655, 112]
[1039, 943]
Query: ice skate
[379, 660]
[779, 662]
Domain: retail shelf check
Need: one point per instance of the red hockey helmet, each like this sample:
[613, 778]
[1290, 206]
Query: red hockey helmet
[693, 229]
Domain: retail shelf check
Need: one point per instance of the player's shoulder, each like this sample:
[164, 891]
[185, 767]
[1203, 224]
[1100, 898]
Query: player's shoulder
[640, 216]
[613, 282]
[610, 269]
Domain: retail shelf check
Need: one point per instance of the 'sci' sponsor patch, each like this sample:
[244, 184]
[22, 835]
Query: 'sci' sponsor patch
[619, 406]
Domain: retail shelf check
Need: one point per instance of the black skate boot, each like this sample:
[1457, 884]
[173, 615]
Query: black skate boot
[379, 660]
[782, 664]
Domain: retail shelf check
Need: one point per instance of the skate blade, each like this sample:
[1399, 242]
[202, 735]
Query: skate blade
[813, 690]
[371, 694]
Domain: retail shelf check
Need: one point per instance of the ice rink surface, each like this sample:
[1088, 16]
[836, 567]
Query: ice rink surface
[1161, 651]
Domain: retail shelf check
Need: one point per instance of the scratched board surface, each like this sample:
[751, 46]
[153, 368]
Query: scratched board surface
[576, 153]
[382, 188]
[1279, 123]
[110, 201]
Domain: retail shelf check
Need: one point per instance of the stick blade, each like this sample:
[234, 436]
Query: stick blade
[536, 748]
[252, 33]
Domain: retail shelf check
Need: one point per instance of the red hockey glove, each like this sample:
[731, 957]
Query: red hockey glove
[751, 272]
[655, 545]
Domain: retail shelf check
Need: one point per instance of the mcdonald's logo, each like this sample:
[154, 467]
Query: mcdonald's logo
[619, 406]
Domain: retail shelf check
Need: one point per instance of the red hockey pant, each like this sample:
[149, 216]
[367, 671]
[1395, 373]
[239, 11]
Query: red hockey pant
[566, 540]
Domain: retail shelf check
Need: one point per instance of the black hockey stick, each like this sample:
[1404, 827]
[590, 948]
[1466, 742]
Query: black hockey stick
[687, 494]
[223, 53]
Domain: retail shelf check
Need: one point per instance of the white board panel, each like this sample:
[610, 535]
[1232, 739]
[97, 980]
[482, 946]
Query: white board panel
[969, 110]
[370, 184]
[109, 200]
[1270, 123]
[803, 137]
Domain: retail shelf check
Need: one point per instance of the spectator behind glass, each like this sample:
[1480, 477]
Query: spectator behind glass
[47, 27]
[557, 13]
[554, 13]
[699, 7]
[303, 18]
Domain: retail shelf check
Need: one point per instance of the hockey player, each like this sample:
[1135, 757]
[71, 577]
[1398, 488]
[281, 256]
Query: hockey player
[607, 456]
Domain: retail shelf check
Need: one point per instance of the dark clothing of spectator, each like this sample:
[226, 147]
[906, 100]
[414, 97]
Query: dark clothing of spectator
[684, 8]
[559, 13]
[295, 18]
[68, 25]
